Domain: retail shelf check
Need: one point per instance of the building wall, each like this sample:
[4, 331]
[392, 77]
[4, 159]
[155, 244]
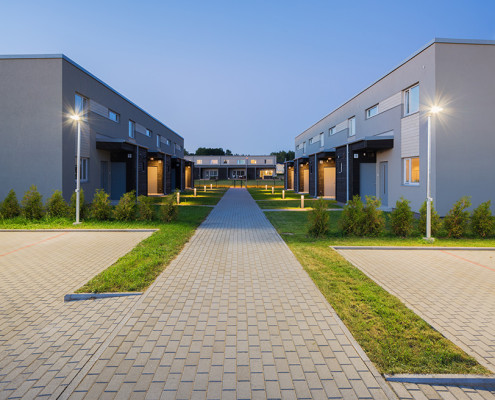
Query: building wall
[30, 126]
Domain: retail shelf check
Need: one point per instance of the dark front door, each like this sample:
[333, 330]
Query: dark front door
[118, 180]
[104, 176]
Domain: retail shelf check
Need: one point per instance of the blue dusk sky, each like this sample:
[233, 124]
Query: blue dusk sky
[244, 75]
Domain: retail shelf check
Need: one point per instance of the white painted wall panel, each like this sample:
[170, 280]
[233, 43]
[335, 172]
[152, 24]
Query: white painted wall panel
[391, 102]
[343, 125]
[409, 130]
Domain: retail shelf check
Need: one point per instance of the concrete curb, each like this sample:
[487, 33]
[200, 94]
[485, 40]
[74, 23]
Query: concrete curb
[474, 381]
[94, 296]
[78, 230]
[409, 248]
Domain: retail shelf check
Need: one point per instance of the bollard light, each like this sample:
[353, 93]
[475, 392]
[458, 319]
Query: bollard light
[302, 201]
[178, 197]
[205, 188]
[273, 190]
[194, 192]
[266, 187]
[283, 194]
[211, 185]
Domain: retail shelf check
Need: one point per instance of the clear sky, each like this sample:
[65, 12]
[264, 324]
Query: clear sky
[244, 75]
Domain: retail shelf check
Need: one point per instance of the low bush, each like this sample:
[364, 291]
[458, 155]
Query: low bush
[456, 220]
[32, 204]
[482, 220]
[10, 207]
[82, 205]
[125, 210]
[373, 220]
[145, 208]
[401, 218]
[101, 209]
[436, 222]
[352, 218]
[56, 207]
[318, 219]
[169, 210]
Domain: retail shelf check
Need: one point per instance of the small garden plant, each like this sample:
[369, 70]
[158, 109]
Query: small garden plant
[352, 218]
[318, 219]
[10, 207]
[56, 207]
[401, 218]
[101, 209]
[145, 208]
[169, 210]
[482, 220]
[125, 210]
[32, 204]
[373, 219]
[457, 219]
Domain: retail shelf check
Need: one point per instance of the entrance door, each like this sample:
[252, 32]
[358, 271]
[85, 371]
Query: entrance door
[118, 180]
[329, 181]
[306, 180]
[384, 183]
[367, 180]
[104, 176]
[291, 179]
[152, 180]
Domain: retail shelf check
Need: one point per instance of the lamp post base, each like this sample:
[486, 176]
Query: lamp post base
[76, 223]
[429, 240]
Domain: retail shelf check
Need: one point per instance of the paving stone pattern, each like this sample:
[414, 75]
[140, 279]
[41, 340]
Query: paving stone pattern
[453, 290]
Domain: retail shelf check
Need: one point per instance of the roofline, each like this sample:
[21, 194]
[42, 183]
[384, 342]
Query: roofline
[64, 57]
[430, 43]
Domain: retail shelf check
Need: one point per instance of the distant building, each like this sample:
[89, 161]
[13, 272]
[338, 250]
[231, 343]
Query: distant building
[123, 147]
[233, 167]
[376, 143]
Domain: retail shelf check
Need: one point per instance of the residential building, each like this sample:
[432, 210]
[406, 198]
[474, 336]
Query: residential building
[123, 148]
[376, 143]
[233, 167]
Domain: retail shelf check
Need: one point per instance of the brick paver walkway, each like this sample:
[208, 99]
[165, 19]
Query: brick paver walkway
[453, 290]
[233, 316]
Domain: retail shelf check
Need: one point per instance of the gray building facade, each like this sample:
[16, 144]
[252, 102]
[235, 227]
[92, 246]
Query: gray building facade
[123, 148]
[376, 143]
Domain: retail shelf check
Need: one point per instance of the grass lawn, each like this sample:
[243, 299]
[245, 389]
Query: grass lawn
[281, 204]
[251, 183]
[394, 338]
[210, 197]
[262, 194]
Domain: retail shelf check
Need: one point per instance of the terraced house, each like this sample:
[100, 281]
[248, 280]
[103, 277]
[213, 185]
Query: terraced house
[377, 142]
[123, 148]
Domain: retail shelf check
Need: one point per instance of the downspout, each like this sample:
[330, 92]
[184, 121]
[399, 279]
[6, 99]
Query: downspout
[316, 177]
[347, 172]
[137, 171]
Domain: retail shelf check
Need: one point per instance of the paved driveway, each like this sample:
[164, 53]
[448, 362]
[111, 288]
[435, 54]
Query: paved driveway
[453, 290]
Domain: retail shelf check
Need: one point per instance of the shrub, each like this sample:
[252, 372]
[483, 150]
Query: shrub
[32, 205]
[482, 220]
[436, 223]
[145, 208]
[374, 221]
[126, 209]
[82, 205]
[101, 209]
[169, 211]
[56, 207]
[10, 207]
[318, 219]
[352, 218]
[456, 220]
[401, 218]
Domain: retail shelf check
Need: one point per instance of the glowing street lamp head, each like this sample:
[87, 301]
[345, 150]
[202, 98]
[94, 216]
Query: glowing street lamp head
[436, 109]
[75, 117]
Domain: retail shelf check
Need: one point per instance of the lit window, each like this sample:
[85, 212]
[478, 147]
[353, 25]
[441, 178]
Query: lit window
[113, 116]
[352, 126]
[253, 161]
[411, 100]
[372, 111]
[158, 140]
[148, 133]
[199, 161]
[331, 131]
[322, 139]
[84, 171]
[81, 106]
[132, 129]
[214, 162]
[411, 171]
[241, 162]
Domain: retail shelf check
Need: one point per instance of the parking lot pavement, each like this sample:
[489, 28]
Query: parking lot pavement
[453, 290]
[44, 341]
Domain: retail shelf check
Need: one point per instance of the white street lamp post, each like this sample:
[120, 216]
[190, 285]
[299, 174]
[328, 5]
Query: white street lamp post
[429, 199]
[78, 166]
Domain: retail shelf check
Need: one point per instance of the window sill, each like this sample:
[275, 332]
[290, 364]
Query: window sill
[408, 115]
[411, 184]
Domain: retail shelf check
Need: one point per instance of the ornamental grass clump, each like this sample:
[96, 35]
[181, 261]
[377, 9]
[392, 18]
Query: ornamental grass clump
[32, 204]
[145, 208]
[169, 210]
[101, 209]
[56, 207]
[125, 210]
[482, 220]
[457, 219]
[318, 219]
[352, 218]
[436, 222]
[10, 207]
[373, 220]
[401, 218]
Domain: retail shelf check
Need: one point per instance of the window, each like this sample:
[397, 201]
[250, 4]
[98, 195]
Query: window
[304, 147]
[411, 100]
[322, 139]
[352, 126]
[158, 140]
[253, 161]
[241, 162]
[179, 147]
[225, 161]
[112, 115]
[132, 129]
[199, 161]
[214, 162]
[331, 131]
[311, 141]
[149, 132]
[167, 142]
[84, 171]
[411, 171]
[81, 106]
[372, 111]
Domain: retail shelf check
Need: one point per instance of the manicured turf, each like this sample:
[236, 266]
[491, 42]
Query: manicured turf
[281, 204]
[210, 197]
[266, 194]
[394, 338]
[258, 183]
